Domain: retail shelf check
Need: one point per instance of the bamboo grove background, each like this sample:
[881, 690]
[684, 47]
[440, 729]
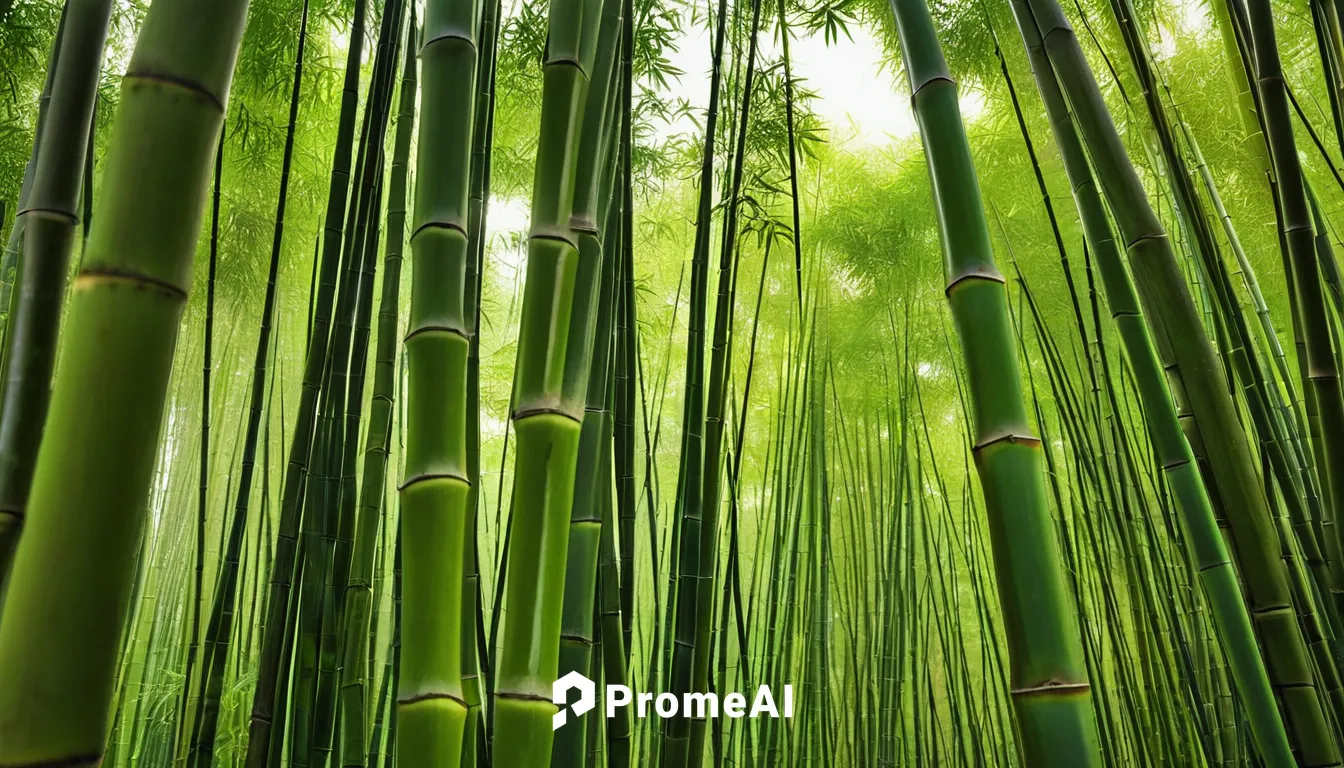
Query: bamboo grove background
[1013, 436]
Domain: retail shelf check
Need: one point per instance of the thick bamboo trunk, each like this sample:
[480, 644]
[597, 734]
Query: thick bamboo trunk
[431, 706]
[1051, 696]
[547, 427]
[72, 575]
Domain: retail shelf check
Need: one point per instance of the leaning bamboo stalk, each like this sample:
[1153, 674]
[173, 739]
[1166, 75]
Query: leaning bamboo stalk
[9, 258]
[1304, 279]
[107, 401]
[316, 608]
[474, 650]
[1277, 444]
[190, 702]
[587, 365]
[1200, 375]
[354, 332]
[547, 431]
[272, 677]
[48, 221]
[1051, 696]
[1172, 450]
[624, 374]
[683, 603]
[613, 651]
[719, 371]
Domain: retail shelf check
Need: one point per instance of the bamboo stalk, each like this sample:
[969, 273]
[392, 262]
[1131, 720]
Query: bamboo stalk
[431, 708]
[1201, 380]
[48, 217]
[1051, 696]
[546, 425]
[107, 401]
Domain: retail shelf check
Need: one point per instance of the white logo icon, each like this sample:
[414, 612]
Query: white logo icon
[559, 690]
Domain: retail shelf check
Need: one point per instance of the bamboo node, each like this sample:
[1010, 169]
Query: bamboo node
[547, 234]
[137, 279]
[565, 61]
[1157, 236]
[941, 77]
[584, 224]
[65, 216]
[453, 225]
[1051, 687]
[431, 696]
[450, 34]
[439, 328]
[523, 413]
[521, 696]
[1030, 441]
[433, 476]
[985, 274]
[186, 84]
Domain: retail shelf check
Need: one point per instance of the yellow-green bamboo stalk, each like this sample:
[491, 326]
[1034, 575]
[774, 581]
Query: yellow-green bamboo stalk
[431, 708]
[71, 582]
[547, 427]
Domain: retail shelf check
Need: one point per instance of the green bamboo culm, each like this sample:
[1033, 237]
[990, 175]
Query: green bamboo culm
[49, 219]
[474, 651]
[72, 574]
[219, 629]
[1172, 450]
[1196, 369]
[720, 365]
[547, 430]
[360, 598]
[683, 604]
[431, 708]
[9, 257]
[585, 386]
[1051, 697]
[270, 694]
[1304, 279]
